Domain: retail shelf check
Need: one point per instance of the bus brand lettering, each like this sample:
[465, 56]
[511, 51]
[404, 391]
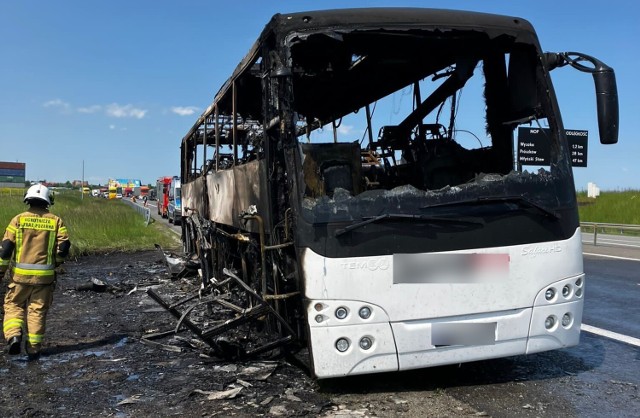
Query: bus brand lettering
[537, 250]
[372, 265]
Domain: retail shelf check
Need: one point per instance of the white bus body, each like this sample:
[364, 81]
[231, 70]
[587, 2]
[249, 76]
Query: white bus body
[438, 240]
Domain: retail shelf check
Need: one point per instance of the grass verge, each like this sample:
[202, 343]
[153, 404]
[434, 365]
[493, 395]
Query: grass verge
[611, 207]
[97, 225]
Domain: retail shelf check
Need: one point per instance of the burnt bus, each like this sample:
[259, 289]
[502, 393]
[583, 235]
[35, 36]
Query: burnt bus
[356, 176]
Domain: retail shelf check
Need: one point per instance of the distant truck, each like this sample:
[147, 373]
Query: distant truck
[162, 188]
[174, 210]
[113, 191]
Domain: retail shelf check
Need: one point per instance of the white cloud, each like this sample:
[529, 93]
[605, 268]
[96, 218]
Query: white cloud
[112, 127]
[184, 110]
[345, 129]
[127, 111]
[114, 110]
[56, 103]
[90, 109]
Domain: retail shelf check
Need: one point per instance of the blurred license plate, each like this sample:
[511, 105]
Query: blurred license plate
[463, 334]
[450, 268]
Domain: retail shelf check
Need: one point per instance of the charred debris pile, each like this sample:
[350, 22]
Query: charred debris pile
[232, 320]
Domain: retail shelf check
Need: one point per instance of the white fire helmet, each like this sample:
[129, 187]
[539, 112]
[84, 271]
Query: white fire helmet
[39, 191]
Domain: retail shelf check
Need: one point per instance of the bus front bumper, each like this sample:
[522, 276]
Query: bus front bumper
[344, 343]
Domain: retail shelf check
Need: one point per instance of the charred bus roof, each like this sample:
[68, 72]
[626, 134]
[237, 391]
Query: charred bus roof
[293, 29]
[391, 17]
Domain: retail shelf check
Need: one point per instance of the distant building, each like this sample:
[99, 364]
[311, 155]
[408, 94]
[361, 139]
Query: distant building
[80, 183]
[12, 174]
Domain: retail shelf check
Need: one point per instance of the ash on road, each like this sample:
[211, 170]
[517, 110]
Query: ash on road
[95, 362]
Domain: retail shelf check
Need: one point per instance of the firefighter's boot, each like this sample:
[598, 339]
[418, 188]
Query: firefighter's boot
[14, 344]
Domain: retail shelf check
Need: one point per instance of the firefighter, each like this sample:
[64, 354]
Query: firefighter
[36, 241]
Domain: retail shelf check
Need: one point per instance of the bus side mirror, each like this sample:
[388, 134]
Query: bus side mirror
[606, 89]
[607, 103]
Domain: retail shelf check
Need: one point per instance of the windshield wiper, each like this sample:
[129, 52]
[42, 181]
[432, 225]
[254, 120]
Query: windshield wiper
[423, 218]
[519, 200]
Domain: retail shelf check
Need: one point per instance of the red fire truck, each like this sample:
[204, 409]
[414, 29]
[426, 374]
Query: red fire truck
[162, 192]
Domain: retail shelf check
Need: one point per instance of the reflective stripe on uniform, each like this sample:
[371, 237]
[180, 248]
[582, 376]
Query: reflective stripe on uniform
[11, 229]
[63, 230]
[4, 262]
[18, 251]
[12, 323]
[51, 248]
[29, 272]
[25, 266]
[35, 338]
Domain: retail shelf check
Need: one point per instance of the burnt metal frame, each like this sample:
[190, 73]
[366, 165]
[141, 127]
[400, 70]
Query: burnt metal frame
[260, 309]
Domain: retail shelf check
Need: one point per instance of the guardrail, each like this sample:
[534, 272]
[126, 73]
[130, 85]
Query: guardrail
[144, 211]
[602, 226]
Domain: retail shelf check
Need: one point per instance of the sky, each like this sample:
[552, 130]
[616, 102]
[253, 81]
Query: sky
[107, 89]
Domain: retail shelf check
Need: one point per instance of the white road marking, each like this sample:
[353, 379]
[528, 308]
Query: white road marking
[610, 334]
[612, 256]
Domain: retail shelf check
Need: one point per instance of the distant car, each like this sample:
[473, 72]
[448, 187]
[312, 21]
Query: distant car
[119, 196]
[174, 210]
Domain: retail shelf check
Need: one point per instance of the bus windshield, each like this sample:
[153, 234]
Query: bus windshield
[419, 119]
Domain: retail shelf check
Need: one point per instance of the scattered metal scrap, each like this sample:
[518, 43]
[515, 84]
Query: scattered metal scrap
[178, 266]
[235, 321]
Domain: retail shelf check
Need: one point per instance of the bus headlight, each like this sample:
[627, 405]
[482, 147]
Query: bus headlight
[364, 312]
[550, 322]
[550, 293]
[566, 320]
[319, 318]
[365, 343]
[341, 312]
[566, 291]
[342, 345]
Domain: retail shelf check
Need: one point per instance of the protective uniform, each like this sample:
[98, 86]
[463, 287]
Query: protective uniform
[36, 241]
